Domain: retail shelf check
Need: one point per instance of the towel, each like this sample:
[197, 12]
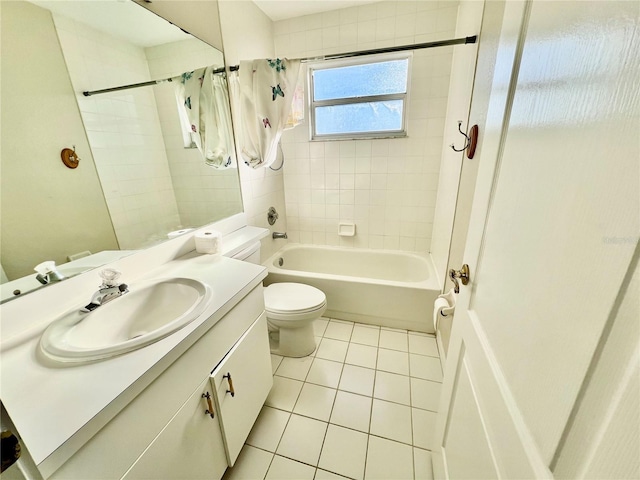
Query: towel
[266, 90]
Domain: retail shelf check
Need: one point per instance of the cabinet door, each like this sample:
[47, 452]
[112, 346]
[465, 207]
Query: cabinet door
[242, 382]
[190, 446]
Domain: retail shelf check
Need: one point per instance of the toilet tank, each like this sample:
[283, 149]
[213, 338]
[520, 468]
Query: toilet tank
[249, 254]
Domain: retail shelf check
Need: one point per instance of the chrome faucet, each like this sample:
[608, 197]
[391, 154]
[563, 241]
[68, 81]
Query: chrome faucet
[50, 277]
[279, 235]
[47, 273]
[109, 290]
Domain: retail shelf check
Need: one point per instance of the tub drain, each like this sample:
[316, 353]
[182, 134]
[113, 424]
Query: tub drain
[280, 261]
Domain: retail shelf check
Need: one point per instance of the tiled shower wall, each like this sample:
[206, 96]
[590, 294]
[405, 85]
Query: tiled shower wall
[387, 187]
[247, 34]
[124, 132]
[203, 194]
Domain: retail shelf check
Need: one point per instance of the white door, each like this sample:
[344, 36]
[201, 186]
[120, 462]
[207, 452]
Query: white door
[541, 379]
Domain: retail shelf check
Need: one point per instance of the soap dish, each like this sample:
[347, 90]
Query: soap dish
[346, 229]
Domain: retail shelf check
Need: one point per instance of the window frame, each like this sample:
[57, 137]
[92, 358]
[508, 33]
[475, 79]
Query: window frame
[354, 61]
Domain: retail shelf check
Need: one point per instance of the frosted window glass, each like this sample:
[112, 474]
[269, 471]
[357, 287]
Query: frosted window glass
[383, 78]
[359, 117]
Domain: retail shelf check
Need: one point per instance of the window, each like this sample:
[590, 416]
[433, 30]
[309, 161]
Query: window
[359, 97]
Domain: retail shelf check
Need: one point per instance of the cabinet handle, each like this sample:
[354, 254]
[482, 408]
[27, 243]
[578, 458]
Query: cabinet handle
[231, 390]
[209, 411]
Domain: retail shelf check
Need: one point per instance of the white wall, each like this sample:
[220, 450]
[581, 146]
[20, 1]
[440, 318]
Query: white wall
[247, 34]
[48, 210]
[203, 194]
[458, 105]
[388, 187]
[124, 131]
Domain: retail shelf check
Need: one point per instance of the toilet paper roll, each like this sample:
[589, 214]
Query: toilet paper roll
[444, 306]
[209, 241]
[439, 305]
[177, 233]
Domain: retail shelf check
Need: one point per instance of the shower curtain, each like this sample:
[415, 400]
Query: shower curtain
[265, 91]
[204, 102]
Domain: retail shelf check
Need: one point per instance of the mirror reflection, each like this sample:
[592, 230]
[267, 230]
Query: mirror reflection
[140, 178]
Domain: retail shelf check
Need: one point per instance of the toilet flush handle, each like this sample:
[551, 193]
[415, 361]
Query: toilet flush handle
[231, 390]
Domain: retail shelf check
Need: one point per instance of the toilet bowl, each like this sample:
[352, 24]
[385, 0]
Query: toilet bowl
[291, 309]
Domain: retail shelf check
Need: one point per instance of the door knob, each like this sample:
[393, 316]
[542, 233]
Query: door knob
[462, 275]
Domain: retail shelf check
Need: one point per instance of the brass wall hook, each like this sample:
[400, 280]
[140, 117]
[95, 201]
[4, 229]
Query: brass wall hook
[70, 157]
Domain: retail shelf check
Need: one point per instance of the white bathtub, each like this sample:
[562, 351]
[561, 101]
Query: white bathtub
[379, 287]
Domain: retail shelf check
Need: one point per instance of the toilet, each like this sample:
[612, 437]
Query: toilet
[291, 309]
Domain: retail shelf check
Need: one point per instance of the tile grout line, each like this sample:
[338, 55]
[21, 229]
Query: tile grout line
[332, 407]
[286, 425]
[413, 441]
[373, 391]
[351, 428]
[337, 389]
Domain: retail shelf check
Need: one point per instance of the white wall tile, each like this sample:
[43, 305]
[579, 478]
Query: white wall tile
[248, 33]
[122, 127]
[406, 170]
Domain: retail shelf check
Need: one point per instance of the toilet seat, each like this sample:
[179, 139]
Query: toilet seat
[293, 299]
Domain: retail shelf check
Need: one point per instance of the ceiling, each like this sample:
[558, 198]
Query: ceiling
[122, 19]
[283, 9]
[125, 19]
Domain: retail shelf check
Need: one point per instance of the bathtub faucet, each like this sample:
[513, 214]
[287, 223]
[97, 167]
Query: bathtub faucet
[279, 235]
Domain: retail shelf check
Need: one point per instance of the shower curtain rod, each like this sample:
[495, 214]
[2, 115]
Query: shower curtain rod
[358, 53]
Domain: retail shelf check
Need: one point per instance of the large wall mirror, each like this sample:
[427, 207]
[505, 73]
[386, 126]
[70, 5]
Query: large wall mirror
[137, 181]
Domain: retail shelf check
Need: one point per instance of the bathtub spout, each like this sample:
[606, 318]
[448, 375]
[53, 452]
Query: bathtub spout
[279, 235]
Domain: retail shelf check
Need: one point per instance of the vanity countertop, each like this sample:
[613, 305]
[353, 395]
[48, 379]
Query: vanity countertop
[57, 408]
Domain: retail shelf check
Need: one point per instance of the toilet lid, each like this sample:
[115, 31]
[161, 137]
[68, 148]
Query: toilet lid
[292, 297]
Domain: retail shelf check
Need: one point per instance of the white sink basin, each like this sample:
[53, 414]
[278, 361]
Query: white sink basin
[148, 313]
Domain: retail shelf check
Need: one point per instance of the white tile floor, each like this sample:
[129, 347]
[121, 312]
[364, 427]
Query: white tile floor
[362, 406]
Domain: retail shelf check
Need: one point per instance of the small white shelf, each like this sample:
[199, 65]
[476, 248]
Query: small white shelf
[346, 229]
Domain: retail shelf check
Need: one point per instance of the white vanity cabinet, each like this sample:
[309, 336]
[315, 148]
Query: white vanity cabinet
[190, 446]
[241, 383]
[166, 432]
